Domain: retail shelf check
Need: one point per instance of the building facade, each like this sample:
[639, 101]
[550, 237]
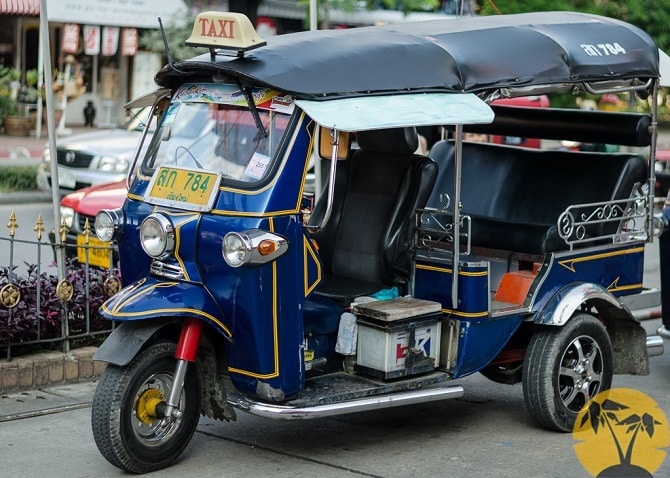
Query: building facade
[94, 48]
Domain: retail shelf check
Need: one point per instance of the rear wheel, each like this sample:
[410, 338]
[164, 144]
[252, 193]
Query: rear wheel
[128, 424]
[565, 368]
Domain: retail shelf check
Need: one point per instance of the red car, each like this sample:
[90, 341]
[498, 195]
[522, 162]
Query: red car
[82, 205]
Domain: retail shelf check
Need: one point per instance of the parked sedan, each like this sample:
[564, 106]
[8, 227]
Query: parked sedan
[78, 207]
[92, 158]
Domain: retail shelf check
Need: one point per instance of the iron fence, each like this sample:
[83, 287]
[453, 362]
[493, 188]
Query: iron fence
[51, 300]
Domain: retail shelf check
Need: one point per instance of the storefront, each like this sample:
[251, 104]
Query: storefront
[94, 49]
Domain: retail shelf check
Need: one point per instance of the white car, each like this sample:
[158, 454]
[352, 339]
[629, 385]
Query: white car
[97, 157]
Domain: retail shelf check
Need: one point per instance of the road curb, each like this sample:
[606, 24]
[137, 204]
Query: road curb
[25, 197]
[50, 368]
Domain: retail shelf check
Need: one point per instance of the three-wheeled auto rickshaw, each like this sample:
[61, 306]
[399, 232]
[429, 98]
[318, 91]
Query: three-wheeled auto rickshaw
[410, 270]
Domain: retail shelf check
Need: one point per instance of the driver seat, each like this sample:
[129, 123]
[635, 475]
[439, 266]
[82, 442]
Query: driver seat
[366, 245]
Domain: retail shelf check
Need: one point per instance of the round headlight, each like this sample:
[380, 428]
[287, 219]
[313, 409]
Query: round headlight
[236, 249]
[157, 235]
[112, 164]
[67, 215]
[108, 223]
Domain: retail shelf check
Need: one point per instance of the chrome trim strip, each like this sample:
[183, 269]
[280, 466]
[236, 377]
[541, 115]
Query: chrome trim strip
[283, 412]
[654, 345]
[169, 271]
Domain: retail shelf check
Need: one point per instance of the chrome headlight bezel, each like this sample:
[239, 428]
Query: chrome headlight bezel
[108, 224]
[252, 247]
[157, 236]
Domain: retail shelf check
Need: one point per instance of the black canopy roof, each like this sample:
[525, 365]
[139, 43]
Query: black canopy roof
[468, 54]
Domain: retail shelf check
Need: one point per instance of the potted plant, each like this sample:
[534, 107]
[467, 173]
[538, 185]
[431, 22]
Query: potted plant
[14, 121]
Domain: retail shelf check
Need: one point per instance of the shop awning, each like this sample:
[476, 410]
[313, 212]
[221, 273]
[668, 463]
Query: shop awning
[19, 7]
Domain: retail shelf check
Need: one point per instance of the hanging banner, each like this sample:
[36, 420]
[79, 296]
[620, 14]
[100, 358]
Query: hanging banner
[91, 40]
[110, 40]
[129, 41]
[70, 42]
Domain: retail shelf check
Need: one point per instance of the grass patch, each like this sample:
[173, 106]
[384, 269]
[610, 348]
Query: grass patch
[18, 178]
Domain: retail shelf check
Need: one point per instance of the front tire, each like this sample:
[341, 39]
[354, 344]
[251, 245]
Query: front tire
[127, 427]
[565, 368]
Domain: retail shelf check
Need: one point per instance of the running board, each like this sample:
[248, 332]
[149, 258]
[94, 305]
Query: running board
[283, 412]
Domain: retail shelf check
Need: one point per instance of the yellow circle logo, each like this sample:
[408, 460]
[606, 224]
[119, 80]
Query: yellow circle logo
[621, 433]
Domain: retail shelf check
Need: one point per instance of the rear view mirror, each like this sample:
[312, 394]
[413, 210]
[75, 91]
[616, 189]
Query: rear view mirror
[326, 144]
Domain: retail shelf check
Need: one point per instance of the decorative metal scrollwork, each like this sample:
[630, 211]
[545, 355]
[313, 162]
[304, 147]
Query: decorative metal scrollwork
[111, 285]
[10, 295]
[435, 227]
[588, 222]
[64, 290]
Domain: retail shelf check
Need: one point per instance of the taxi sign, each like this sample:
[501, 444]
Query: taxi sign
[229, 30]
[190, 189]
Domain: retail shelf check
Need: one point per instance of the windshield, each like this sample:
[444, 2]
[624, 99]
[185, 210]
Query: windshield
[210, 127]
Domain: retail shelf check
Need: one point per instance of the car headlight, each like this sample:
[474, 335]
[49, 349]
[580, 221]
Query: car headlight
[157, 235]
[67, 216]
[46, 155]
[253, 247]
[112, 164]
[108, 224]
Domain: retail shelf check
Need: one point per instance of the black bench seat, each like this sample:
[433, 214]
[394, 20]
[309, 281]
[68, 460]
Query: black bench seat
[514, 196]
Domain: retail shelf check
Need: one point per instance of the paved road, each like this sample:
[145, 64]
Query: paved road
[485, 434]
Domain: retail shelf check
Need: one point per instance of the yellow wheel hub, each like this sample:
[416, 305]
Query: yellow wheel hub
[145, 408]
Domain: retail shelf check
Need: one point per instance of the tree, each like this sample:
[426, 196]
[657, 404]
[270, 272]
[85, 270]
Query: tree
[177, 30]
[652, 16]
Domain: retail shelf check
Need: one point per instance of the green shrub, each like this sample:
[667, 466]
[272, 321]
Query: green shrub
[18, 178]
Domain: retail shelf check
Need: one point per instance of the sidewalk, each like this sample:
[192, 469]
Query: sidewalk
[27, 148]
[30, 372]
[52, 399]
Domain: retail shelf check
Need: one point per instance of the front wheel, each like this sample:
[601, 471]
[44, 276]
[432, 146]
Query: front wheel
[128, 426]
[564, 368]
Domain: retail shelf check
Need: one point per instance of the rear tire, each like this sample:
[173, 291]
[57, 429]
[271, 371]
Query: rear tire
[125, 428]
[565, 367]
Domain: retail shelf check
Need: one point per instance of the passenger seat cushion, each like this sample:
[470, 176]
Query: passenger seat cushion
[516, 195]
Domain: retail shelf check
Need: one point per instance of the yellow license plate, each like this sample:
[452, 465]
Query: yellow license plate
[189, 189]
[97, 253]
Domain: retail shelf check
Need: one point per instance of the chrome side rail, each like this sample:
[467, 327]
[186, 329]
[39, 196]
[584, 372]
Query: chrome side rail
[283, 412]
[655, 345]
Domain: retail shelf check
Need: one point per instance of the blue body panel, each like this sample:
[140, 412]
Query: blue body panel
[258, 307]
[619, 270]
[483, 335]
[151, 298]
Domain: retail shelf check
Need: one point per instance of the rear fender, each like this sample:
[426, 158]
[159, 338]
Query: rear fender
[572, 297]
[628, 337]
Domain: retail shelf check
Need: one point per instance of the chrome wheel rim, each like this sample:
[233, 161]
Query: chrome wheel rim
[581, 372]
[150, 429]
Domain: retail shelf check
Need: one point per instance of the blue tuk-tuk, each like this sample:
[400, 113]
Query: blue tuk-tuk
[414, 263]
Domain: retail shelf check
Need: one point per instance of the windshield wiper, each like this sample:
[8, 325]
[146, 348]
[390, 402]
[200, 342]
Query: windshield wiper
[254, 111]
